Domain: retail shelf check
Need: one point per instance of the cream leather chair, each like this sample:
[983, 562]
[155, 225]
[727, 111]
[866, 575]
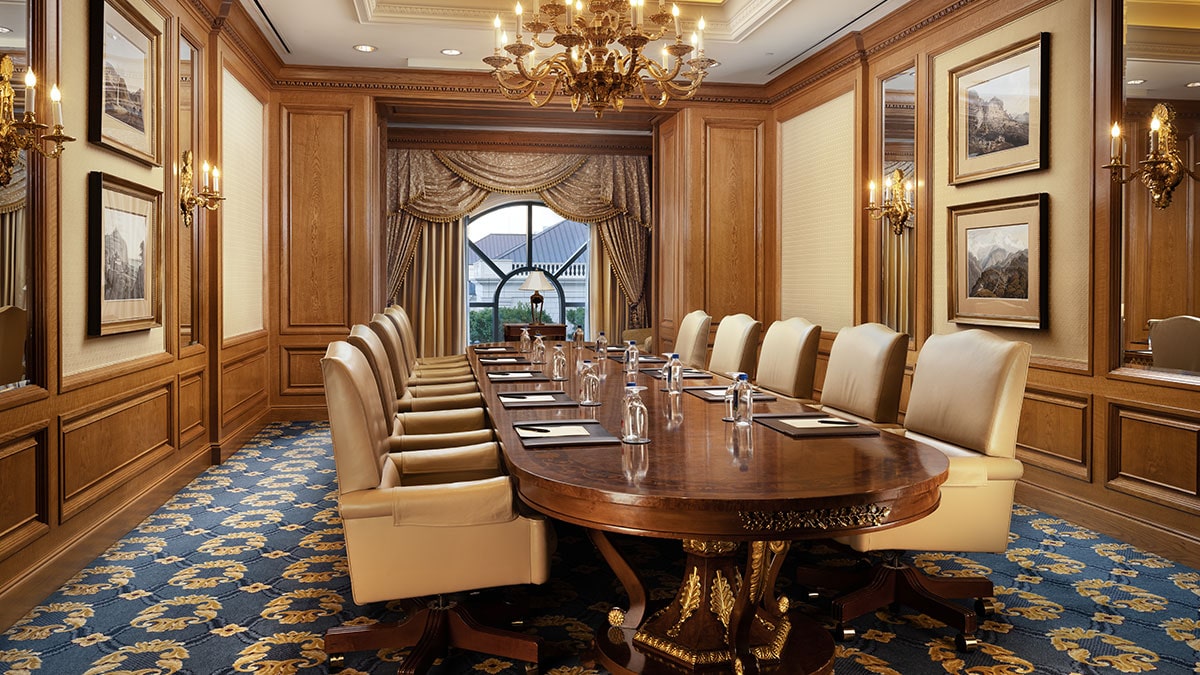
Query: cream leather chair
[1175, 343]
[415, 524]
[788, 358]
[865, 373]
[966, 400]
[13, 328]
[408, 337]
[428, 397]
[455, 383]
[429, 428]
[735, 345]
[691, 340]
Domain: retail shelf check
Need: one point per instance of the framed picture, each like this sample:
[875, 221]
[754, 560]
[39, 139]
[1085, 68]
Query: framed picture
[999, 122]
[124, 245]
[125, 87]
[998, 253]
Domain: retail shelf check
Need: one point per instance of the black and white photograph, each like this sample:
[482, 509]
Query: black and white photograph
[998, 273]
[123, 114]
[998, 110]
[998, 261]
[124, 242]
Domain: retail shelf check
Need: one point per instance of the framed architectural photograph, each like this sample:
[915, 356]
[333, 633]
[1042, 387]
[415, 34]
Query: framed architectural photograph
[999, 112]
[998, 253]
[125, 81]
[124, 244]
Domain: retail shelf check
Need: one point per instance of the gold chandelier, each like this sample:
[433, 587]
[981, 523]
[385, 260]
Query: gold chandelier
[592, 68]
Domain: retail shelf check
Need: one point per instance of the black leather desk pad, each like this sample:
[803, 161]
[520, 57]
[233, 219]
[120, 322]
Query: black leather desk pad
[711, 394]
[597, 434]
[775, 421]
[513, 400]
[499, 376]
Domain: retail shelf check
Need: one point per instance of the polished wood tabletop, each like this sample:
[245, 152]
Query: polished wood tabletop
[718, 488]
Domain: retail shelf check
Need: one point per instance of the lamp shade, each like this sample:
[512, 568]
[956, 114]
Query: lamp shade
[536, 281]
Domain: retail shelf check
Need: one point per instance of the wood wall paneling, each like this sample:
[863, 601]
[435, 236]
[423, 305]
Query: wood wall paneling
[1055, 431]
[315, 277]
[105, 446]
[243, 386]
[734, 192]
[1154, 453]
[301, 370]
[23, 492]
[191, 407]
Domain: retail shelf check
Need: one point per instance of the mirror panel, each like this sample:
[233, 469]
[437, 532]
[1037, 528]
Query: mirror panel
[898, 251]
[189, 237]
[1161, 247]
[16, 245]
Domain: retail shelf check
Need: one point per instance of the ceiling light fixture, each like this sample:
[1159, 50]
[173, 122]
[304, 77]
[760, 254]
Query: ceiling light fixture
[589, 68]
[451, 52]
[1192, 85]
[366, 49]
[5, 29]
[1135, 82]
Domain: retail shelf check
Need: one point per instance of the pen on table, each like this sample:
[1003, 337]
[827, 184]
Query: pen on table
[831, 421]
[540, 430]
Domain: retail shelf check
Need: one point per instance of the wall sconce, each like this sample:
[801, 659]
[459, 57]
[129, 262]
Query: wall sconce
[897, 202]
[536, 282]
[1162, 170]
[208, 197]
[23, 135]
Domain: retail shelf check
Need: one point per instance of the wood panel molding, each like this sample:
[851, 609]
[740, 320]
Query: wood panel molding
[1055, 431]
[24, 489]
[734, 165]
[191, 407]
[105, 445]
[1154, 452]
[300, 370]
[243, 386]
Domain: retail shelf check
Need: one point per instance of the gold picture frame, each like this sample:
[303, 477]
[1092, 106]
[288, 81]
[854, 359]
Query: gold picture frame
[999, 105]
[125, 88]
[998, 262]
[124, 254]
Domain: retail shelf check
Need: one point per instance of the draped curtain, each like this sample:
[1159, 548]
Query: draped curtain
[14, 242]
[427, 187]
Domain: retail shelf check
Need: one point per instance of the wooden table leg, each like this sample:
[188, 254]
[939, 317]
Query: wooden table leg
[632, 617]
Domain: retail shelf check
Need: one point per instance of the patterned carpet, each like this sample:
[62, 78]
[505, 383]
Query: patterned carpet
[242, 571]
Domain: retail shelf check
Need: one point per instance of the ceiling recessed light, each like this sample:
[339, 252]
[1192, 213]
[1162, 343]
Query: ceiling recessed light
[1135, 82]
[365, 48]
[5, 29]
[1192, 85]
[451, 52]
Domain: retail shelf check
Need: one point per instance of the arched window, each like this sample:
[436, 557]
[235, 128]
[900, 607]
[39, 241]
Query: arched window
[504, 244]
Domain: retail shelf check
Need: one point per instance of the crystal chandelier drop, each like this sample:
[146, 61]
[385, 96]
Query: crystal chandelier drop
[603, 56]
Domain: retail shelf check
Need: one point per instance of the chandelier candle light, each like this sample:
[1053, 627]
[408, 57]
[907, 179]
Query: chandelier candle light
[16, 136]
[897, 202]
[1162, 170]
[591, 69]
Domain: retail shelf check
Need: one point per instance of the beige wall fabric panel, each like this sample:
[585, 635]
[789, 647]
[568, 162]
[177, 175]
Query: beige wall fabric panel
[818, 214]
[242, 213]
[81, 353]
[1069, 183]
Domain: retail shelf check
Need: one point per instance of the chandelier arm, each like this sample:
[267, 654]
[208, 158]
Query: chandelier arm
[512, 90]
[554, 87]
[659, 73]
[659, 102]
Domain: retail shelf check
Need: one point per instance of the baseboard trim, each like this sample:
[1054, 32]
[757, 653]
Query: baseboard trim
[26, 591]
[233, 442]
[1171, 544]
[305, 413]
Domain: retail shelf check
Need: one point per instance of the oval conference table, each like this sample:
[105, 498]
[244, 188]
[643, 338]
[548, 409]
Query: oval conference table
[712, 485]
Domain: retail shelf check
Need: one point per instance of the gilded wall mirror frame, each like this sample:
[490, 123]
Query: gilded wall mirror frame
[1158, 44]
[21, 271]
[191, 237]
[897, 240]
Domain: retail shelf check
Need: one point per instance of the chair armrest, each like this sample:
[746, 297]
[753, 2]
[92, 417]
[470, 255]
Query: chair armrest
[968, 467]
[412, 442]
[442, 421]
[477, 457]
[471, 400]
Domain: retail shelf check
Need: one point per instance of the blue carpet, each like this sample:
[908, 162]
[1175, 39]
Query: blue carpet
[243, 571]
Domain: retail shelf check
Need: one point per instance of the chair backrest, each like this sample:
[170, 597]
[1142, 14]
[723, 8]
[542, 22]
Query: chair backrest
[643, 336]
[967, 390]
[788, 359]
[358, 431]
[865, 372]
[367, 341]
[691, 340]
[408, 337]
[1175, 343]
[736, 344]
[13, 328]
[389, 335]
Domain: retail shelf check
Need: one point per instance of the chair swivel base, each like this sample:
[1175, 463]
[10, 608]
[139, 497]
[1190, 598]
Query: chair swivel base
[893, 581]
[430, 631]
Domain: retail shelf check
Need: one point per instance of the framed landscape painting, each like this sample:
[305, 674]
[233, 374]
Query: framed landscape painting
[124, 243]
[999, 120]
[998, 253]
[126, 65]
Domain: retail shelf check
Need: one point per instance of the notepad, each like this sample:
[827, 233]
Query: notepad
[556, 431]
[510, 376]
[817, 423]
[502, 360]
[527, 398]
[493, 349]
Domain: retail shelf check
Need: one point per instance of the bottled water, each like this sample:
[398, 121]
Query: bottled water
[745, 401]
[589, 385]
[672, 374]
[577, 347]
[602, 345]
[732, 403]
[631, 361]
[525, 342]
[558, 364]
[539, 350]
[634, 418]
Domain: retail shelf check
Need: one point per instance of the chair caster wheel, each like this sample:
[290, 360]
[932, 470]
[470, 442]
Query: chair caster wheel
[843, 633]
[336, 663]
[966, 643]
[985, 606]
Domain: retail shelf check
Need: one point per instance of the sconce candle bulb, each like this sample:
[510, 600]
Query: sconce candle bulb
[897, 202]
[25, 133]
[1162, 170]
[189, 199]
